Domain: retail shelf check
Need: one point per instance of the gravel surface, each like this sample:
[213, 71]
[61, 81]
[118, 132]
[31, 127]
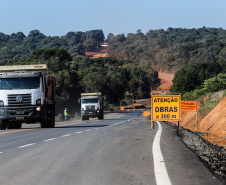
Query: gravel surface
[212, 155]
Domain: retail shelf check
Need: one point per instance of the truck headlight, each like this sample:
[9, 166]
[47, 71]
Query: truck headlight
[1, 103]
[38, 102]
[38, 109]
[1, 110]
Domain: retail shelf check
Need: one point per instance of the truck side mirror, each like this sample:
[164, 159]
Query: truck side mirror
[79, 100]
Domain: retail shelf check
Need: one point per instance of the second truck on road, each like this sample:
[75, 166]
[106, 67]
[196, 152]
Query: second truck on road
[91, 105]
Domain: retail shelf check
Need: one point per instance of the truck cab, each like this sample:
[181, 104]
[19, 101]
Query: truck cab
[26, 95]
[91, 105]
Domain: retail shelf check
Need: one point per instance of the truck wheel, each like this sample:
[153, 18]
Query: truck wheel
[2, 125]
[101, 116]
[43, 123]
[51, 119]
[9, 125]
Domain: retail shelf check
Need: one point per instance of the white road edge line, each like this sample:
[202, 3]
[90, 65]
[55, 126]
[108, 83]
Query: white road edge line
[50, 139]
[26, 145]
[161, 174]
[1, 152]
[66, 135]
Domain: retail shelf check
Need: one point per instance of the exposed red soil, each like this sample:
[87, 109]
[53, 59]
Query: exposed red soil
[166, 81]
[101, 52]
[214, 124]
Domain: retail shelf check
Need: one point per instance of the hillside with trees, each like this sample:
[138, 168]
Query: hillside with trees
[164, 50]
[169, 50]
[17, 46]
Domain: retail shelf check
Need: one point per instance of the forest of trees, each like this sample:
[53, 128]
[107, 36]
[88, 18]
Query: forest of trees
[169, 50]
[164, 50]
[113, 78]
[17, 46]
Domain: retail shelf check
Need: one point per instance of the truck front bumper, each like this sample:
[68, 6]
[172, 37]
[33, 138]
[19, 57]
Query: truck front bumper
[90, 113]
[22, 113]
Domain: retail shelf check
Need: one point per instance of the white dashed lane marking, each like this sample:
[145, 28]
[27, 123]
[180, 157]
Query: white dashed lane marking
[50, 139]
[78, 132]
[66, 135]
[26, 145]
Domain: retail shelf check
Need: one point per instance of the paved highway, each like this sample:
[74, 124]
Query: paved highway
[122, 149]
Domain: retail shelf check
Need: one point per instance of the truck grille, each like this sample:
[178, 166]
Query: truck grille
[19, 100]
[90, 108]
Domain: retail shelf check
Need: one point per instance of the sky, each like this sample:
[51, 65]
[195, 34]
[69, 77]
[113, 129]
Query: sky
[58, 17]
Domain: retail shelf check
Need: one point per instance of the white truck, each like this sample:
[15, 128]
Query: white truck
[91, 105]
[27, 95]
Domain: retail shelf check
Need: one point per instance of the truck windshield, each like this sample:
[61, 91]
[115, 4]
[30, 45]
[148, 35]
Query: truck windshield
[19, 83]
[89, 101]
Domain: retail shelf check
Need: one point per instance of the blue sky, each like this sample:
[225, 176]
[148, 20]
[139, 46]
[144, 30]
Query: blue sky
[58, 17]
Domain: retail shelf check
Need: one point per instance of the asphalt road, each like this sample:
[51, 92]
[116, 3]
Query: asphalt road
[120, 150]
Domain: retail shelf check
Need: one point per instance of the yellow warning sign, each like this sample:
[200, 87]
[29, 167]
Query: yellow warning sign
[165, 108]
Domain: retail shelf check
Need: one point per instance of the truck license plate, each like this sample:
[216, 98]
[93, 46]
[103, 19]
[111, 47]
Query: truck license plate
[19, 112]
[19, 118]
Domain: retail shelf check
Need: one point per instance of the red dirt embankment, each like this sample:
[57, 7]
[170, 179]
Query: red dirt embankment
[214, 125]
[166, 81]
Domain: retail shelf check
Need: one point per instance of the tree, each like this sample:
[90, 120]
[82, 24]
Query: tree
[90, 44]
[119, 38]
[192, 76]
[110, 37]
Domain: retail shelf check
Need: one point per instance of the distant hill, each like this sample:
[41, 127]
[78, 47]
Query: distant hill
[168, 50]
[164, 50]
[17, 46]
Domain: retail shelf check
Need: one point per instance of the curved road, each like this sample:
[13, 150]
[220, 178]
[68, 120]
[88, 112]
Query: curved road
[122, 149]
